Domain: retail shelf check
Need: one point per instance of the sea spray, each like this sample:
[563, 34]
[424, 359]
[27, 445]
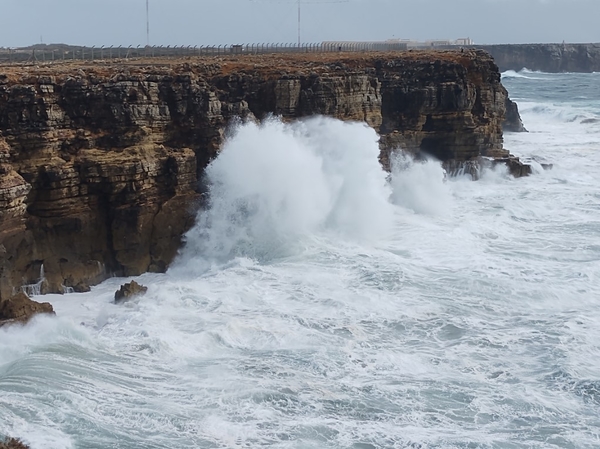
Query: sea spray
[419, 186]
[275, 184]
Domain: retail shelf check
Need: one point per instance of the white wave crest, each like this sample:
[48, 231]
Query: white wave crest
[523, 74]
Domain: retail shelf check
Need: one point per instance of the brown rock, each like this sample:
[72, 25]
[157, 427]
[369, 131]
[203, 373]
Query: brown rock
[12, 443]
[129, 291]
[20, 308]
[81, 287]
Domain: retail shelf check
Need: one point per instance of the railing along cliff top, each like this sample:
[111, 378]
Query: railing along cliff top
[49, 53]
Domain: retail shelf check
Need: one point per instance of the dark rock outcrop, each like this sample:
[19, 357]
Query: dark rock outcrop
[512, 121]
[515, 167]
[129, 291]
[99, 164]
[551, 58]
[20, 309]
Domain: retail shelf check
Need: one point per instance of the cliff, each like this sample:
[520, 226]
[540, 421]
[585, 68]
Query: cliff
[99, 163]
[551, 58]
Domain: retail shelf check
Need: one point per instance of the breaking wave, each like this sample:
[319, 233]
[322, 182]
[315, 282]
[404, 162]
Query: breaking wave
[276, 184]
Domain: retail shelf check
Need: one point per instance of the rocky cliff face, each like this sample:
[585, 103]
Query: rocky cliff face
[99, 164]
[551, 58]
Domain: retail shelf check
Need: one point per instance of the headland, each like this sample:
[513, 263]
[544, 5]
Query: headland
[101, 162]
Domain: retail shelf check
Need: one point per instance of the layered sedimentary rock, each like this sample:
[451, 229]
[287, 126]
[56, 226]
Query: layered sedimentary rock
[551, 58]
[100, 164]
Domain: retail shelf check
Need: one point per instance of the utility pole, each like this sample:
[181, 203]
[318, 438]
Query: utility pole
[147, 23]
[299, 5]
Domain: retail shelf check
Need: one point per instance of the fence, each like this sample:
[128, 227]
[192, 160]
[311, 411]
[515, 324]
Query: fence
[48, 53]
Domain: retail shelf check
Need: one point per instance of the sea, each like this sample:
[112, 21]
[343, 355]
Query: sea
[320, 302]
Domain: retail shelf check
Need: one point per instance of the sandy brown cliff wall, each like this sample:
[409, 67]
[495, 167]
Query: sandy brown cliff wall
[99, 164]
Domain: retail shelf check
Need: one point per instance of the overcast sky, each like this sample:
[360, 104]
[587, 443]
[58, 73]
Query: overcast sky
[203, 22]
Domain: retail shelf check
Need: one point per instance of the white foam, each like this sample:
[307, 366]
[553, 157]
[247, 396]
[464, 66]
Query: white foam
[523, 74]
[275, 184]
[420, 186]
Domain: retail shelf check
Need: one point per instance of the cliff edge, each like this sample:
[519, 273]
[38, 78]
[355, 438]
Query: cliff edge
[100, 162]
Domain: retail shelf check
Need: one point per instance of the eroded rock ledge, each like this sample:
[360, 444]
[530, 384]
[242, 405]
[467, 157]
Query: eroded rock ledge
[99, 164]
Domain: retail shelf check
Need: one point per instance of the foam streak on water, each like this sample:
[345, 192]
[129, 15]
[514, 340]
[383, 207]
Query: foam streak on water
[319, 304]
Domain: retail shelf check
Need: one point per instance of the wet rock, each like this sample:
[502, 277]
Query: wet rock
[13, 443]
[81, 287]
[20, 309]
[129, 291]
[516, 167]
[512, 121]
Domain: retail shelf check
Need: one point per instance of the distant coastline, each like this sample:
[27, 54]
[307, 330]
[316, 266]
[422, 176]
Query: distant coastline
[551, 58]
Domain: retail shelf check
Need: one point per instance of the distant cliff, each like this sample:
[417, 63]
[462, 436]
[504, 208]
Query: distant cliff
[99, 163]
[551, 58]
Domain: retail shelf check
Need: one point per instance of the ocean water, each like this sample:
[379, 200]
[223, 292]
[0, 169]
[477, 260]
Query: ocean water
[320, 303]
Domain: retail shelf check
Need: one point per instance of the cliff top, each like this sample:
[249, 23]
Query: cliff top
[266, 65]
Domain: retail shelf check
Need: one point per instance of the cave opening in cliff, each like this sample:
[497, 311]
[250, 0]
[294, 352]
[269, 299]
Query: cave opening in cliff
[433, 146]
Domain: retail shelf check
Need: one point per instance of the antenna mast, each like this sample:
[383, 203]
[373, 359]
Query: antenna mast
[299, 4]
[147, 23]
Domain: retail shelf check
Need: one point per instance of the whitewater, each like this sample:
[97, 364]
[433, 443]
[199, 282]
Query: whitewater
[322, 303]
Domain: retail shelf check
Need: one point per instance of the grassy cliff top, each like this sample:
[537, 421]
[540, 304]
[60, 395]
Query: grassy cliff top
[265, 64]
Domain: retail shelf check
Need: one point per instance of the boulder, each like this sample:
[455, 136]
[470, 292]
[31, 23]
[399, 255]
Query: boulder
[129, 291]
[20, 308]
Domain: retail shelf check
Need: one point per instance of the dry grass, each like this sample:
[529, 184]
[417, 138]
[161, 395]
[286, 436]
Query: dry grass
[268, 65]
